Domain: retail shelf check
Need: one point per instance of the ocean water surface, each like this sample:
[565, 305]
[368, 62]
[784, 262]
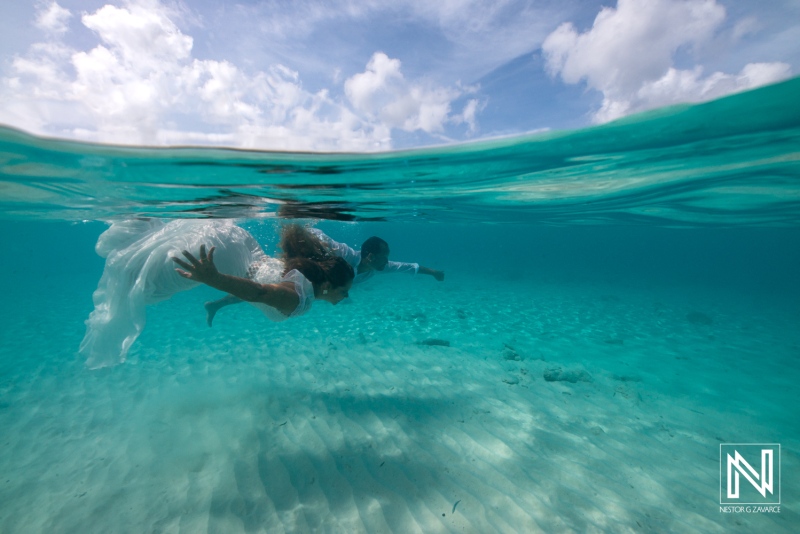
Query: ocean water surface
[618, 303]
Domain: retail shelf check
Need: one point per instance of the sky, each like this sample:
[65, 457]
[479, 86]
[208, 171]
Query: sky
[373, 75]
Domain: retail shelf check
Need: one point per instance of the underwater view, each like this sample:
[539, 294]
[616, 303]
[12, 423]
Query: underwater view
[570, 329]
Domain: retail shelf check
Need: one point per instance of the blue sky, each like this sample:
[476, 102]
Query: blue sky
[366, 75]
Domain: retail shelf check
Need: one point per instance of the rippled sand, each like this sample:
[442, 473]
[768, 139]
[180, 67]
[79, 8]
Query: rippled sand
[346, 421]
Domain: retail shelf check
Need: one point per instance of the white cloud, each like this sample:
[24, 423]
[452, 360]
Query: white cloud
[142, 34]
[382, 93]
[141, 84]
[629, 54]
[53, 18]
[469, 113]
[690, 86]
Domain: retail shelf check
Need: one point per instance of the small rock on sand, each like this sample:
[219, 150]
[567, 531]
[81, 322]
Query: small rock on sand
[433, 342]
[557, 374]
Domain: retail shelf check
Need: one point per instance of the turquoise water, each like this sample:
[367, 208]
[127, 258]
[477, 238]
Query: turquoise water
[656, 258]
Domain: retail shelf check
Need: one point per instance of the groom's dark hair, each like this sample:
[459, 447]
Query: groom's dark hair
[374, 245]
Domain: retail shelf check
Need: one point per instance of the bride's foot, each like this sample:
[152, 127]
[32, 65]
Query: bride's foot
[211, 310]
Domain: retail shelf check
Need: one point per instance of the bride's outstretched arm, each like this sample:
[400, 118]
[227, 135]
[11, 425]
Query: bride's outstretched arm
[282, 296]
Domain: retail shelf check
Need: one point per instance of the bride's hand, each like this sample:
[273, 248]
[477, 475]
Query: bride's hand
[202, 270]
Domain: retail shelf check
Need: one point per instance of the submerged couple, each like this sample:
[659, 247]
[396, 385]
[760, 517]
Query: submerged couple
[141, 258]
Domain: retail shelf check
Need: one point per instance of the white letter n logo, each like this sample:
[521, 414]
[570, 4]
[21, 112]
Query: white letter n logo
[742, 467]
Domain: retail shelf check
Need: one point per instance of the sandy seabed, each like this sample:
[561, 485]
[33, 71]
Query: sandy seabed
[352, 419]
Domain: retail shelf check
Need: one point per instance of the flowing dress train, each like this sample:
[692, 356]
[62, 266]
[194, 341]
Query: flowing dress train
[139, 272]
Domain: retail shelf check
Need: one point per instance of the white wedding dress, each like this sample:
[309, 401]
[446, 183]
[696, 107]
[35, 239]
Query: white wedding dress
[139, 272]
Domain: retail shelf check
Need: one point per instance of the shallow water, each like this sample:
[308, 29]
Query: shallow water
[729, 162]
[656, 259]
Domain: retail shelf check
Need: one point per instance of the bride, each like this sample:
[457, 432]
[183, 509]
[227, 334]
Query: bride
[139, 271]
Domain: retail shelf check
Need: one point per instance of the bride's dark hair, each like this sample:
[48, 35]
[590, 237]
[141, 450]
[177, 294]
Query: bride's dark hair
[303, 251]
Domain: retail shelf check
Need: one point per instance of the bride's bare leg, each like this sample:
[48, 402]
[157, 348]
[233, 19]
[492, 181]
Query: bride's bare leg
[213, 306]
